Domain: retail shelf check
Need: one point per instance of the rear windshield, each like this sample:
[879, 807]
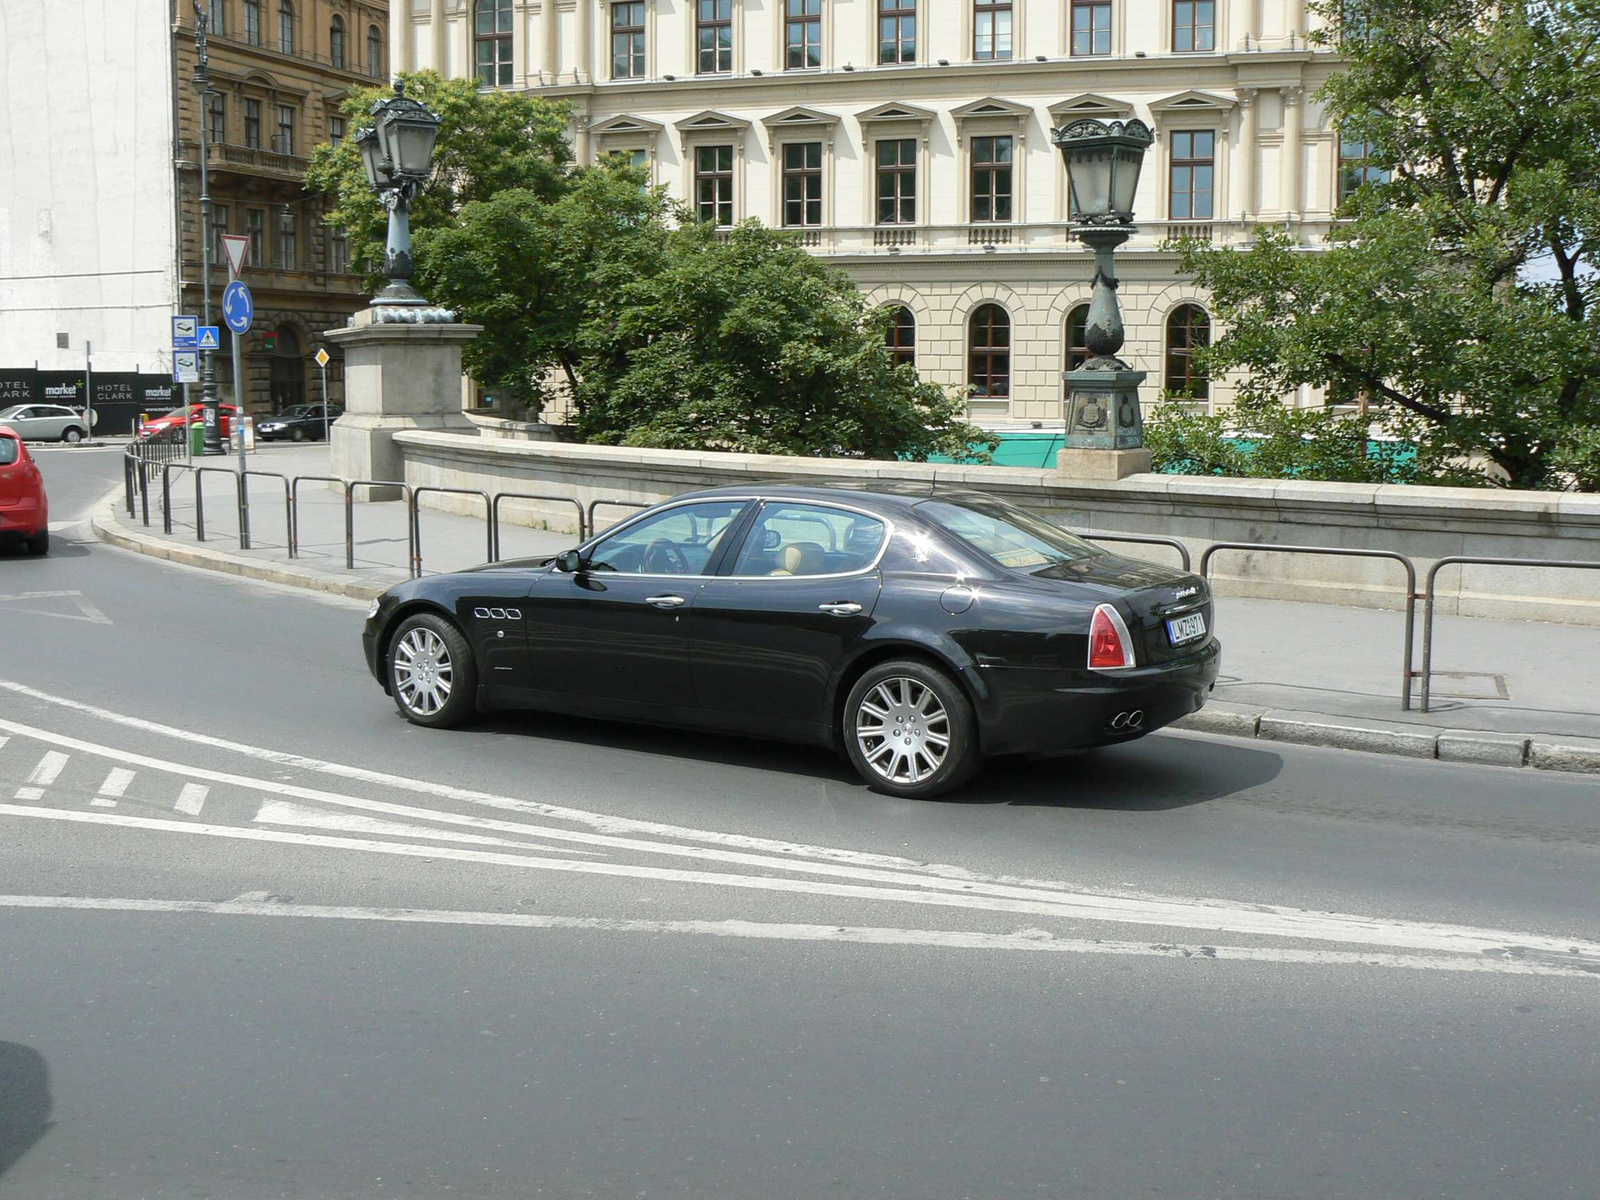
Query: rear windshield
[9, 451]
[1011, 537]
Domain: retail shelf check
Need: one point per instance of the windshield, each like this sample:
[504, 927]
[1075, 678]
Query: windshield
[1012, 537]
[12, 411]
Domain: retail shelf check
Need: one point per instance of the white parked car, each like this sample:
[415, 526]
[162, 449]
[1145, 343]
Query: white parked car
[45, 422]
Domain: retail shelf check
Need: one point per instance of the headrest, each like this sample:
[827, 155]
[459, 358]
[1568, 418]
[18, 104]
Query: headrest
[802, 558]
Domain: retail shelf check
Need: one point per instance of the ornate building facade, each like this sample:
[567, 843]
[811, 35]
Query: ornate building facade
[279, 71]
[908, 141]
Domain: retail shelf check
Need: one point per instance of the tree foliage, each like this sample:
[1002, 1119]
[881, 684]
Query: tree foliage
[1460, 296]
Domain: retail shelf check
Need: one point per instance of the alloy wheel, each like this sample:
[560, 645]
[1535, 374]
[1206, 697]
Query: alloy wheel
[423, 673]
[903, 730]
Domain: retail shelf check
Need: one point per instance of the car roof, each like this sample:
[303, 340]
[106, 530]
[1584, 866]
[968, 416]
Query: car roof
[896, 495]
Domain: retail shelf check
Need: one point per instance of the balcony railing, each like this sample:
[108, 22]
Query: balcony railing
[225, 155]
[1020, 237]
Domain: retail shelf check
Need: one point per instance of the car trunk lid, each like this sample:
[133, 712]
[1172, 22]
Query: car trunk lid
[1154, 601]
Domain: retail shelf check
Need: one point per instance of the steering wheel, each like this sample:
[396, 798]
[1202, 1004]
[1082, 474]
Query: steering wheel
[660, 557]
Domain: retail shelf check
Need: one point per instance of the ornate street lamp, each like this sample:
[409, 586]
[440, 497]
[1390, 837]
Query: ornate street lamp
[397, 155]
[1103, 162]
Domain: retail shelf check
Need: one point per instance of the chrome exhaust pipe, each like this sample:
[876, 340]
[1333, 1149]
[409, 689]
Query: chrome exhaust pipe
[1128, 720]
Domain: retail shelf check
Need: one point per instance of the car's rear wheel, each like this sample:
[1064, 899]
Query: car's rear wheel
[910, 731]
[431, 673]
[39, 543]
[72, 436]
[297, 434]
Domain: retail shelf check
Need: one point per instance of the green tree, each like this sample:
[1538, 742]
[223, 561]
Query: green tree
[1459, 295]
[489, 142]
[533, 270]
[742, 341]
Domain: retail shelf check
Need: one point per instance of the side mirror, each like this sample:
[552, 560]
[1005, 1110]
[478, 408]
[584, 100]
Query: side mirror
[569, 562]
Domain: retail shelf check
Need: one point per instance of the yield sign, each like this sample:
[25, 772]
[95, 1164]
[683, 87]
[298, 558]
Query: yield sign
[237, 246]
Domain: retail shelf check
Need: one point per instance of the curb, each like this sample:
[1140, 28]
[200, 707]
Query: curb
[108, 529]
[1542, 752]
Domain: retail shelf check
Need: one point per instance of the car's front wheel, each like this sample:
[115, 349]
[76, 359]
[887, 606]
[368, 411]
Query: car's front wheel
[72, 436]
[297, 434]
[910, 731]
[431, 673]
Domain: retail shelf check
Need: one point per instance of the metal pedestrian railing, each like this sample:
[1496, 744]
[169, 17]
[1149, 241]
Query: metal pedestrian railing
[350, 486]
[1411, 597]
[494, 515]
[595, 505]
[200, 503]
[416, 521]
[1140, 539]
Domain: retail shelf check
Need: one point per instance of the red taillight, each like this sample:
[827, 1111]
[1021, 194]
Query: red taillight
[1109, 645]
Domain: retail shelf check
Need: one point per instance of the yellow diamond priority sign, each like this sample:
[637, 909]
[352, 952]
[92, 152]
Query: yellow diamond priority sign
[321, 357]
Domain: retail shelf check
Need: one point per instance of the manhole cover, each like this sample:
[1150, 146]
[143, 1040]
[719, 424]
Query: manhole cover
[1470, 685]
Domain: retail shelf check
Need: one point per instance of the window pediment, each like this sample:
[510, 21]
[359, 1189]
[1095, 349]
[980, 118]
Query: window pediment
[627, 124]
[896, 112]
[1193, 101]
[991, 106]
[800, 117]
[1089, 104]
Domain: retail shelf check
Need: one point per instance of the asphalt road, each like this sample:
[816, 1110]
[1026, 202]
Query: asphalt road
[260, 938]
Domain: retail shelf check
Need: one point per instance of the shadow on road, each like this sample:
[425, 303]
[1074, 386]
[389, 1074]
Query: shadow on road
[1150, 775]
[59, 548]
[24, 1102]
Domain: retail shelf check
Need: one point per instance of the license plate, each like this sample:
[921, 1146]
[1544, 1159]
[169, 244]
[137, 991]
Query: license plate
[1186, 628]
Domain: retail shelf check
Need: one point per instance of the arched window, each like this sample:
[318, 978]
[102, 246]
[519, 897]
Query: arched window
[989, 356]
[375, 52]
[1188, 330]
[902, 337]
[252, 22]
[336, 41]
[1077, 336]
[286, 26]
[492, 32]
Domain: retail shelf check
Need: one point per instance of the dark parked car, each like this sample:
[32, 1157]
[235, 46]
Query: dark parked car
[301, 423]
[918, 630]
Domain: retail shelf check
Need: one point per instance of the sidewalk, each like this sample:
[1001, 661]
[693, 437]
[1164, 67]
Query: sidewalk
[1508, 693]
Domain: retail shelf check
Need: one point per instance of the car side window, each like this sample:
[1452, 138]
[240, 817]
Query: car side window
[809, 539]
[9, 451]
[914, 551]
[678, 541]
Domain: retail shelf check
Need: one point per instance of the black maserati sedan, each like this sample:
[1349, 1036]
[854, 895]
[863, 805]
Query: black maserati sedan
[916, 629]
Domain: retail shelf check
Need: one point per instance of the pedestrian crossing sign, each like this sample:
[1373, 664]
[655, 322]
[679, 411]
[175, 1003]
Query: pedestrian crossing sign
[209, 339]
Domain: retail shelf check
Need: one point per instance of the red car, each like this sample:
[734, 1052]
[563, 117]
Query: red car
[24, 511]
[195, 412]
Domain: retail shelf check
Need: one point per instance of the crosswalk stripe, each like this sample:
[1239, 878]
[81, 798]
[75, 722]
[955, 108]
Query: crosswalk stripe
[192, 798]
[113, 788]
[44, 774]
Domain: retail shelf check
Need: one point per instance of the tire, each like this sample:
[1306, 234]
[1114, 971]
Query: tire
[297, 434]
[72, 436]
[931, 707]
[441, 697]
[39, 543]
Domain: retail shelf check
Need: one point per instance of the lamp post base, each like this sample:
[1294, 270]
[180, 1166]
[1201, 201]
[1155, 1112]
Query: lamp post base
[1076, 462]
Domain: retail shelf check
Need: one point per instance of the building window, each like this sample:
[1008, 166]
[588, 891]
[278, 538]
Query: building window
[218, 10]
[1194, 25]
[375, 52]
[1188, 330]
[255, 225]
[802, 35]
[217, 117]
[1091, 27]
[335, 130]
[288, 241]
[219, 226]
[897, 182]
[902, 337]
[286, 26]
[493, 36]
[1077, 337]
[283, 143]
[991, 29]
[802, 183]
[713, 184]
[714, 25]
[897, 31]
[1193, 168]
[627, 40]
[1354, 170]
[338, 252]
[252, 22]
[991, 178]
[252, 124]
[989, 334]
[336, 41]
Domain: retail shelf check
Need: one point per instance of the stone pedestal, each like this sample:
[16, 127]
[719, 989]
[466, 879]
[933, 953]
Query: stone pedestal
[1105, 426]
[1077, 463]
[398, 375]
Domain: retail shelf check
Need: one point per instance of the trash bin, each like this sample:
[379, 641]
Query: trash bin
[197, 437]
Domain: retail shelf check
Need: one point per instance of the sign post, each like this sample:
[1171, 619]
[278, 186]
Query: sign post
[322, 362]
[88, 386]
[238, 311]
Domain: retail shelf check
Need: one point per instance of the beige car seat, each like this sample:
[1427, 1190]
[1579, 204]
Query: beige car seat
[801, 558]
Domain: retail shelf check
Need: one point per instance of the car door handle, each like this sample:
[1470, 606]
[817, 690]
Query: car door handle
[666, 601]
[843, 608]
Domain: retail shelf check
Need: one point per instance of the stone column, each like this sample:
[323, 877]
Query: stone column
[1252, 23]
[469, 65]
[441, 38]
[550, 58]
[1292, 166]
[585, 39]
[1294, 16]
[1248, 174]
[402, 37]
[519, 42]
[399, 375]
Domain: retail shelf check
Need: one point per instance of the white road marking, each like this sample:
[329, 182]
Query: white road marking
[49, 768]
[30, 793]
[1333, 928]
[1028, 941]
[282, 812]
[116, 784]
[192, 798]
[86, 610]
